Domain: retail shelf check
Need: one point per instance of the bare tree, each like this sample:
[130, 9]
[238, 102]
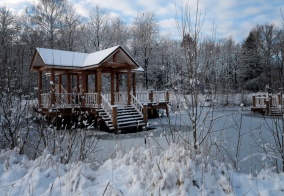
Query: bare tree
[144, 40]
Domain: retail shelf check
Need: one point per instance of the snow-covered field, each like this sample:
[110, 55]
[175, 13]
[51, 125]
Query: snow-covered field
[157, 162]
[176, 171]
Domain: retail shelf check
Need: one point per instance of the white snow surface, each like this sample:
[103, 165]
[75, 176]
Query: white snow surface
[76, 59]
[176, 171]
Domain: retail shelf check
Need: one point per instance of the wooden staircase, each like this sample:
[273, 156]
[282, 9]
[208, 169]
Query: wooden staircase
[275, 111]
[127, 117]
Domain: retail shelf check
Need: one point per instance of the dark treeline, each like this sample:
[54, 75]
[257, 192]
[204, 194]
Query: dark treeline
[224, 66]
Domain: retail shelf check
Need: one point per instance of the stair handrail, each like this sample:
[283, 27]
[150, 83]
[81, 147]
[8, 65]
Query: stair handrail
[142, 109]
[136, 104]
[106, 106]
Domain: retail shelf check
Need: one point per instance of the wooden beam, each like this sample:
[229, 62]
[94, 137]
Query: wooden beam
[39, 88]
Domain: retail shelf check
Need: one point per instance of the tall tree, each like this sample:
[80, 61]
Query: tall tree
[46, 17]
[144, 42]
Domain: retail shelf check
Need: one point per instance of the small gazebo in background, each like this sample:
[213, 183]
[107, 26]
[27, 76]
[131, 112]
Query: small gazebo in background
[117, 109]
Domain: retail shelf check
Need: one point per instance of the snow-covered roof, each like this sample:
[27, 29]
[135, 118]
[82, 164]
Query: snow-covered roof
[64, 59]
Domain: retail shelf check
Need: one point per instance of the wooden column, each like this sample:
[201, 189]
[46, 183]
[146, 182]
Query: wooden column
[52, 88]
[39, 87]
[134, 84]
[151, 95]
[117, 82]
[78, 83]
[253, 101]
[167, 95]
[145, 113]
[96, 86]
[59, 83]
[114, 117]
[128, 86]
[112, 88]
[84, 87]
[267, 106]
[99, 85]
[68, 88]
[87, 83]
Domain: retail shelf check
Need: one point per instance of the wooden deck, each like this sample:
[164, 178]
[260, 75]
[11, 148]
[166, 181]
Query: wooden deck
[105, 116]
[268, 104]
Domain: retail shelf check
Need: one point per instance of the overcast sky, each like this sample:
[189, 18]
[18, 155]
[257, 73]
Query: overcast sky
[230, 17]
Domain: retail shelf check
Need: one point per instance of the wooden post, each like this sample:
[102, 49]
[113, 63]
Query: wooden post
[87, 83]
[128, 86]
[84, 88]
[59, 83]
[77, 83]
[167, 110]
[267, 106]
[114, 117]
[117, 82]
[96, 86]
[151, 95]
[52, 87]
[270, 100]
[68, 88]
[39, 88]
[99, 85]
[112, 88]
[278, 98]
[167, 95]
[253, 101]
[134, 84]
[145, 113]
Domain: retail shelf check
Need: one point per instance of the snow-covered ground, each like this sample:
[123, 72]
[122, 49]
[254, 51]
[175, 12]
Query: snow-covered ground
[149, 162]
[176, 171]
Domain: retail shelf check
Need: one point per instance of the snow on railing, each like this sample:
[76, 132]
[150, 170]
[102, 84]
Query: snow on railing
[106, 106]
[136, 104]
[143, 96]
[91, 99]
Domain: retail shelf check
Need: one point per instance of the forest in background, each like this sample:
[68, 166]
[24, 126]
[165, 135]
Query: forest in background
[222, 66]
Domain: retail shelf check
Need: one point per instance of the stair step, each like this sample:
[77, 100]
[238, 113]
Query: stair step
[127, 116]
[131, 125]
[119, 121]
[130, 122]
[126, 113]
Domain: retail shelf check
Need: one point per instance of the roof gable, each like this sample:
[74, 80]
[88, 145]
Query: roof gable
[64, 59]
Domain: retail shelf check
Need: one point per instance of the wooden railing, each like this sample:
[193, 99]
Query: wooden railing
[159, 96]
[143, 96]
[142, 109]
[91, 99]
[106, 106]
[120, 98]
[110, 110]
[65, 100]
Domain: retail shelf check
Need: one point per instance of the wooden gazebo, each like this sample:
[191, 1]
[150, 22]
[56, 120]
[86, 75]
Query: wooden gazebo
[118, 109]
